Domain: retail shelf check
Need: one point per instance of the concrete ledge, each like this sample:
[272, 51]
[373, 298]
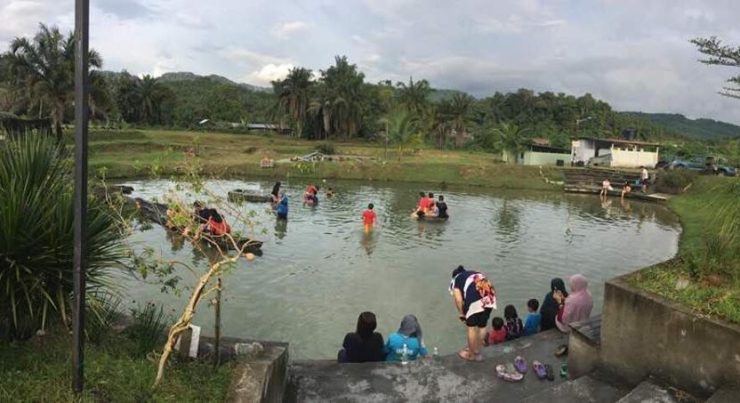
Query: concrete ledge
[644, 334]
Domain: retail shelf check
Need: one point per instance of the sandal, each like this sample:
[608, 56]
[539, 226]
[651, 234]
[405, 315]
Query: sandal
[509, 376]
[520, 364]
[466, 355]
[564, 370]
[548, 372]
[561, 350]
[539, 370]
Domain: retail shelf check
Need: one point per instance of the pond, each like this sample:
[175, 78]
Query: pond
[320, 270]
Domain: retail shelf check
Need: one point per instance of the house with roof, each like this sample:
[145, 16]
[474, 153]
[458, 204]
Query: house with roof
[538, 151]
[616, 153]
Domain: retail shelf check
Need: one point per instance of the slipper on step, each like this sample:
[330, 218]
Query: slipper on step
[466, 355]
[520, 364]
[548, 373]
[539, 370]
[564, 370]
[561, 350]
[508, 376]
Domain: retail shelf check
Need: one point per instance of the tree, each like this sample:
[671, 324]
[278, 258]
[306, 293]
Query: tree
[721, 55]
[414, 96]
[403, 130]
[44, 68]
[457, 113]
[342, 96]
[293, 96]
[511, 138]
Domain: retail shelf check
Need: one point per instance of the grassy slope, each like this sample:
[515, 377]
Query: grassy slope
[219, 154]
[696, 213]
[40, 370]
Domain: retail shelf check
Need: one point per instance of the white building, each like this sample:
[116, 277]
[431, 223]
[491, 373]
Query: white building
[615, 153]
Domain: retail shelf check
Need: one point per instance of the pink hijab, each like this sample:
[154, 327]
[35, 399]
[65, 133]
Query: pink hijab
[579, 303]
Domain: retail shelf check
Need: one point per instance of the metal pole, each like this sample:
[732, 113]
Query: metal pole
[82, 22]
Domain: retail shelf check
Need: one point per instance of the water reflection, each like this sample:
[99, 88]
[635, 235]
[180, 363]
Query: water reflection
[334, 270]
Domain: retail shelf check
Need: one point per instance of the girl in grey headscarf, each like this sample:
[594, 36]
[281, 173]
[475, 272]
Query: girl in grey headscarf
[407, 340]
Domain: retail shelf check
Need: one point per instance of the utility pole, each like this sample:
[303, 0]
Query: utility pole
[82, 24]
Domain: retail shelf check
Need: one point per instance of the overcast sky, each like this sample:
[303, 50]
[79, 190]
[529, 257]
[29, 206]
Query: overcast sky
[634, 54]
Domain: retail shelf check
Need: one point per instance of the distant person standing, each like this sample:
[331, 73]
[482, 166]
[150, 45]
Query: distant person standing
[282, 207]
[442, 208]
[368, 217]
[644, 179]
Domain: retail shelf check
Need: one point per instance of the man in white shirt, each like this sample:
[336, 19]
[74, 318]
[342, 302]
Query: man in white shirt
[644, 177]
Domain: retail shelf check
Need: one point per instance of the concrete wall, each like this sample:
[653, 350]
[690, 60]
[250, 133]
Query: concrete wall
[622, 158]
[582, 150]
[643, 334]
[540, 158]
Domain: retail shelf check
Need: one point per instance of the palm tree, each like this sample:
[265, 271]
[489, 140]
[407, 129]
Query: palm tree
[414, 95]
[457, 112]
[148, 94]
[403, 130]
[293, 96]
[511, 138]
[44, 68]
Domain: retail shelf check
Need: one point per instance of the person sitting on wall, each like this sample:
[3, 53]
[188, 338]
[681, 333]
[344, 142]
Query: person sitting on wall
[626, 189]
[364, 344]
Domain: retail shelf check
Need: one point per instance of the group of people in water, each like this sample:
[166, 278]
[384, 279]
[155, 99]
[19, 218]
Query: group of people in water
[606, 184]
[474, 297]
[280, 198]
[428, 207]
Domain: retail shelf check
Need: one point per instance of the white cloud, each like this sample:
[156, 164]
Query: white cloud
[269, 73]
[286, 30]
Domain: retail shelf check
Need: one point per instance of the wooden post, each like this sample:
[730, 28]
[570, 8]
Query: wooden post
[217, 325]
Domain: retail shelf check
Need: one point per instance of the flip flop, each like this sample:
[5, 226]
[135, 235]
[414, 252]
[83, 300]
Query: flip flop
[466, 355]
[564, 370]
[561, 350]
[539, 370]
[548, 372]
[508, 376]
[520, 364]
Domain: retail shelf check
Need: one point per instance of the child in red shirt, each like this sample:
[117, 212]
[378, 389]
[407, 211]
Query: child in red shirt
[368, 217]
[498, 334]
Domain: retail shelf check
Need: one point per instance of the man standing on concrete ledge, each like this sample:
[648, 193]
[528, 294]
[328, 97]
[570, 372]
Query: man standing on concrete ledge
[474, 297]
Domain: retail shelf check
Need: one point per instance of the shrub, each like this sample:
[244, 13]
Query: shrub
[326, 148]
[36, 236]
[674, 181]
[147, 329]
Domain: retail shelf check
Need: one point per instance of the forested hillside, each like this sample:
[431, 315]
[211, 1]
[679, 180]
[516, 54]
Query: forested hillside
[694, 128]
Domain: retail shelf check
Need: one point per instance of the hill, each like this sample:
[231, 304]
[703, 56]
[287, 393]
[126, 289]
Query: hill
[700, 129]
[188, 76]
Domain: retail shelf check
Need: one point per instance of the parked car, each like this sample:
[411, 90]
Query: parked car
[706, 166]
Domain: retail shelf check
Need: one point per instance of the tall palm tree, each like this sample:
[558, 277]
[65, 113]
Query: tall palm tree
[148, 92]
[458, 114]
[44, 67]
[414, 95]
[293, 96]
[403, 130]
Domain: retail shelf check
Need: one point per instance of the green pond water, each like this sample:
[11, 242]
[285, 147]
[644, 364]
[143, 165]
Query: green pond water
[320, 270]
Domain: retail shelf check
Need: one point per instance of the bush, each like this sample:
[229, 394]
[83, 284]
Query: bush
[36, 236]
[674, 181]
[147, 329]
[326, 148]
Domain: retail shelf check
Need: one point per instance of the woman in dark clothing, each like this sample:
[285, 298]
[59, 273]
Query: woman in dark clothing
[276, 193]
[549, 309]
[364, 345]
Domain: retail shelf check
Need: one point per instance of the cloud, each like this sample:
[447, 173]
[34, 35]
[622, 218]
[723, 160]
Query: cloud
[285, 30]
[268, 73]
[130, 9]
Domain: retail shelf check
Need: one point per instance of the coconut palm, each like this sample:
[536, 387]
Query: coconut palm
[414, 96]
[511, 138]
[293, 95]
[44, 68]
[457, 113]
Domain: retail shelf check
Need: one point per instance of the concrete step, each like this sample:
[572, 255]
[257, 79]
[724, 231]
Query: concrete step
[726, 394]
[447, 378]
[648, 392]
[581, 390]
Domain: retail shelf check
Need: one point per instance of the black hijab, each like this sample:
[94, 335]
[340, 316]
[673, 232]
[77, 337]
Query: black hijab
[276, 189]
[550, 307]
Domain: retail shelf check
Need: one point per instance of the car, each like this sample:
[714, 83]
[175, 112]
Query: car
[706, 166]
[600, 161]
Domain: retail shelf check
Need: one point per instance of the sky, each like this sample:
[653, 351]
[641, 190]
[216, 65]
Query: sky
[634, 54]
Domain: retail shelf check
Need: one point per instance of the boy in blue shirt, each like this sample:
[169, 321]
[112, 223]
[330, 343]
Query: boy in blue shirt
[532, 325]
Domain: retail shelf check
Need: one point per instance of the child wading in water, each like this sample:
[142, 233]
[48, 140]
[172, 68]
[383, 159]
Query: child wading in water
[368, 217]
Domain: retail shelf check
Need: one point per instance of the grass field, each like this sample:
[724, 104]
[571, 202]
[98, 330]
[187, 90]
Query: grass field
[145, 153]
[704, 276]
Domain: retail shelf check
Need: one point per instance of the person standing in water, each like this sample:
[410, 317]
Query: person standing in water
[368, 217]
[442, 208]
[282, 207]
[644, 179]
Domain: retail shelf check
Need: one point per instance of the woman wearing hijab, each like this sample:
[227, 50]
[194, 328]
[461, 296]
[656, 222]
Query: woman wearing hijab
[365, 344]
[408, 334]
[550, 307]
[577, 306]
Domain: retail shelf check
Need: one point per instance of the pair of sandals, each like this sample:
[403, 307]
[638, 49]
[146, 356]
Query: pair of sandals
[515, 372]
[468, 355]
